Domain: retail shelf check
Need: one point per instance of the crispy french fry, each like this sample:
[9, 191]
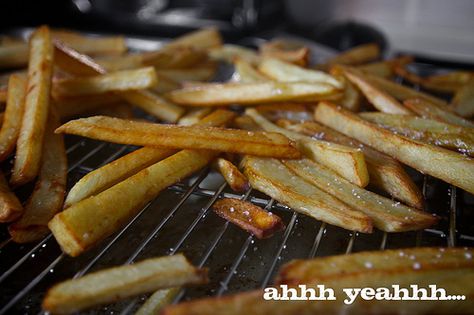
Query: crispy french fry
[10, 207]
[230, 53]
[351, 98]
[431, 131]
[451, 80]
[286, 72]
[48, 196]
[125, 62]
[75, 63]
[287, 51]
[247, 123]
[30, 139]
[206, 38]
[385, 172]
[401, 92]
[234, 178]
[157, 301]
[109, 285]
[248, 217]
[385, 69]
[445, 268]
[13, 115]
[114, 172]
[270, 176]
[194, 115]
[165, 85]
[252, 93]
[188, 137]
[451, 167]
[136, 79]
[387, 215]
[378, 98]
[203, 72]
[346, 161]
[463, 101]
[75, 106]
[427, 109]
[356, 56]
[177, 58]
[89, 45]
[290, 111]
[89, 221]
[246, 73]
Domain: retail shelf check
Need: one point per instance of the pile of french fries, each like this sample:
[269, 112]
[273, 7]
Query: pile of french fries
[317, 138]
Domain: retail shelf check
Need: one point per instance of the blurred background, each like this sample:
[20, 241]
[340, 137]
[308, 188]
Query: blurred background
[433, 29]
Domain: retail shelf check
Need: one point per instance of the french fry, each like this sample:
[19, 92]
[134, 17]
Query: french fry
[451, 81]
[186, 137]
[430, 131]
[449, 166]
[114, 172]
[203, 72]
[385, 172]
[385, 69]
[346, 161]
[387, 215]
[246, 73]
[124, 62]
[30, 139]
[194, 115]
[378, 98]
[157, 301]
[445, 268]
[165, 85]
[229, 53]
[234, 178]
[48, 195]
[109, 285]
[10, 207]
[271, 177]
[177, 58]
[427, 109]
[252, 93]
[75, 63]
[286, 72]
[290, 111]
[206, 38]
[287, 51]
[248, 217]
[351, 98]
[463, 101]
[89, 45]
[136, 79]
[13, 115]
[13, 56]
[356, 56]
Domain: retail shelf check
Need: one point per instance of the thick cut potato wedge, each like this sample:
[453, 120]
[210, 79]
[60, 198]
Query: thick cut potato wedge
[387, 215]
[248, 217]
[157, 301]
[246, 73]
[181, 137]
[378, 98]
[273, 178]
[229, 53]
[285, 50]
[89, 221]
[452, 167]
[252, 93]
[48, 195]
[463, 101]
[385, 172]
[356, 56]
[13, 115]
[10, 207]
[110, 285]
[427, 130]
[234, 178]
[287, 72]
[30, 139]
[431, 110]
[346, 161]
[136, 79]
[114, 172]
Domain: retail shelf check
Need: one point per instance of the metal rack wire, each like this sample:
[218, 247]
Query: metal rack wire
[180, 220]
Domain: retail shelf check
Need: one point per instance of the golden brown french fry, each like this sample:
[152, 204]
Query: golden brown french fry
[13, 115]
[10, 207]
[177, 58]
[89, 221]
[90, 45]
[157, 301]
[230, 53]
[252, 93]
[48, 195]
[249, 217]
[351, 98]
[205, 38]
[246, 73]
[385, 68]
[356, 56]
[13, 56]
[186, 137]
[75, 106]
[114, 172]
[234, 178]
[30, 139]
[451, 80]
[378, 269]
[385, 172]
[287, 72]
[290, 111]
[125, 62]
[431, 131]
[109, 285]
[136, 79]
[427, 109]
[387, 215]
[463, 101]
[203, 72]
[271, 177]
[75, 63]
[165, 85]
[378, 98]
[449, 166]
[346, 161]
[287, 51]
[194, 115]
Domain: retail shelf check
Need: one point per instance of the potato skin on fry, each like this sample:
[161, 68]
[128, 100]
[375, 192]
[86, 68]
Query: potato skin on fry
[234, 178]
[249, 217]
